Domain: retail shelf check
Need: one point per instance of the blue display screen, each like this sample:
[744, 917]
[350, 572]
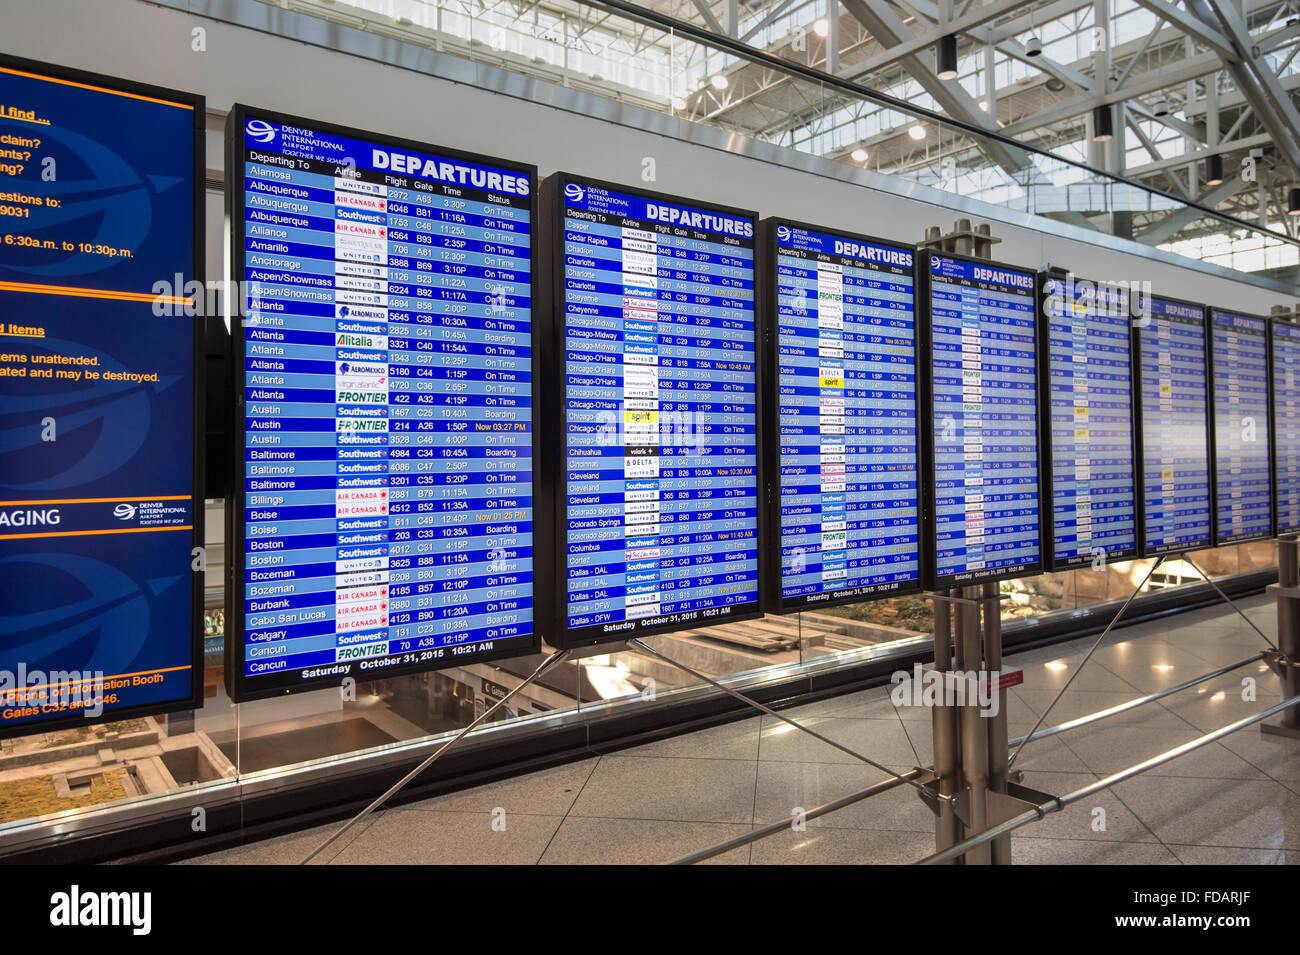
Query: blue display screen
[1243, 489]
[1175, 431]
[97, 406]
[388, 407]
[1094, 512]
[985, 421]
[661, 442]
[1286, 425]
[846, 380]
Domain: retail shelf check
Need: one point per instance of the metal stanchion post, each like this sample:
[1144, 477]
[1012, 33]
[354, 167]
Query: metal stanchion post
[974, 735]
[997, 723]
[1288, 636]
[944, 724]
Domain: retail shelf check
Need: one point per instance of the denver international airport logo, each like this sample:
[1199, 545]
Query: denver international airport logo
[783, 233]
[260, 131]
[574, 192]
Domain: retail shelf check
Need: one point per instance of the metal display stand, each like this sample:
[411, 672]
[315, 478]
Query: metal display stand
[1284, 659]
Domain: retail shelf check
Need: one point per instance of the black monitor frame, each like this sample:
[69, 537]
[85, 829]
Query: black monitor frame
[243, 688]
[771, 553]
[559, 633]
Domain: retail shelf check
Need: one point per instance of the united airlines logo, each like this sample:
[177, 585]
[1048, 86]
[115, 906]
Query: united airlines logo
[573, 192]
[124, 512]
[262, 132]
[783, 233]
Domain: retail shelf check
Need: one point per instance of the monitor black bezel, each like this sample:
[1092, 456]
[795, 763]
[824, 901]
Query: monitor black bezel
[935, 580]
[198, 103]
[776, 603]
[561, 635]
[240, 687]
[1145, 551]
[1053, 565]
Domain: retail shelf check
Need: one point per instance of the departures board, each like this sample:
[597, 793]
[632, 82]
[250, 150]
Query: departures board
[843, 356]
[984, 480]
[1088, 376]
[383, 518]
[1243, 486]
[1285, 419]
[658, 527]
[1173, 414]
[101, 511]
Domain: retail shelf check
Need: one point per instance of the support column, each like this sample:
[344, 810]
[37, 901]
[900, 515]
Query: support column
[944, 726]
[974, 733]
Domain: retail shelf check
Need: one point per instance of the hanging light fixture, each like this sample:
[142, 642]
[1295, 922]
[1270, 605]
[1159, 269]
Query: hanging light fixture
[945, 52]
[1103, 124]
[1293, 201]
[1033, 46]
[1213, 170]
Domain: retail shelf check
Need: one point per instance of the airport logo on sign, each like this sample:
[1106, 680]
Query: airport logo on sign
[783, 233]
[573, 192]
[259, 130]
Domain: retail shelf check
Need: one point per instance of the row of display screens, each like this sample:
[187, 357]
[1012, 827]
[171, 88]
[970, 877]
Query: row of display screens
[463, 429]
[397, 510]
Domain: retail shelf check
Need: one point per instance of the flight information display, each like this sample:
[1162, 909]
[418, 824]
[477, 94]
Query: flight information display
[386, 503]
[1243, 488]
[1286, 424]
[1173, 406]
[846, 410]
[984, 385]
[661, 466]
[1090, 401]
[100, 219]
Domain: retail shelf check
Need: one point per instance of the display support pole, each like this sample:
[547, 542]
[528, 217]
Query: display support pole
[974, 734]
[1284, 663]
[768, 711]
[545, 665]
[943, 720]
[997, 722]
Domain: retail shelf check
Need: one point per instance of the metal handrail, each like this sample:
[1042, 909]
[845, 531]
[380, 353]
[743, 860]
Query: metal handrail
[772, 61]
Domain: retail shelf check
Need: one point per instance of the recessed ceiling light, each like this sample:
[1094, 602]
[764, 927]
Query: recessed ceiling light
[859, 155]
[917, 132]
[719, 82]
[822, 27]
[679, 103]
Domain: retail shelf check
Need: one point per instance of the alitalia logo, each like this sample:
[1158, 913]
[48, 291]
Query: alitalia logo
[355, 341]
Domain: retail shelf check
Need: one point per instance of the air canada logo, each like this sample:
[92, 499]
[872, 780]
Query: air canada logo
[260, 131]
[573, 192]
[783, 233]
[124, 512]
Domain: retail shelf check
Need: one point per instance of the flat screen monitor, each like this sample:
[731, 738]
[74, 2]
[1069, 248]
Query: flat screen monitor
[1285, 418]
[655, 312]
[1243, 485]
[984, 480]
[1173, 409]
[1088, 379]
[847, 495]
[383, 507]
[101, 401]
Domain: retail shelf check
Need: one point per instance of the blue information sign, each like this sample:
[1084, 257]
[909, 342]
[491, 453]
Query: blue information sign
[1243, 487]
[846, 410]
[984, 386]
[386, 492]
[1089, 398]
[660, 458]
[100, 224]
[1173, 407]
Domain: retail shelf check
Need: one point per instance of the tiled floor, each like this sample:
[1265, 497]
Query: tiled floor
[1237, 801]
